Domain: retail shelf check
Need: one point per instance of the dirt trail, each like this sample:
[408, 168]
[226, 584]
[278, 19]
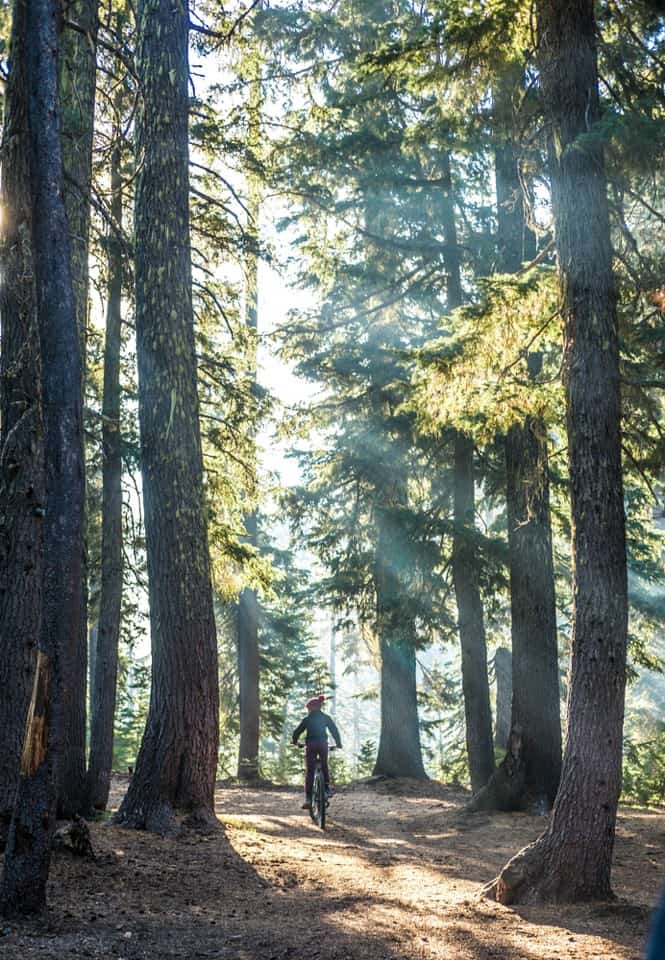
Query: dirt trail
[395, 877]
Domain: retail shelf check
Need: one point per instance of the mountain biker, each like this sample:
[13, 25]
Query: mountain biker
[316, 724]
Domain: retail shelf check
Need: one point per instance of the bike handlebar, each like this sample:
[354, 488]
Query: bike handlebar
[331, 746]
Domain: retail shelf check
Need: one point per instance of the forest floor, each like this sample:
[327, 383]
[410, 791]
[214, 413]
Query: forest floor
[396, 876]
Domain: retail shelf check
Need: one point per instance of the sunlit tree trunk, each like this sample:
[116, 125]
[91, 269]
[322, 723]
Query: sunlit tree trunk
[22, 490]
[27, 857]
[77, 96]
[176, 765]
[572, 859]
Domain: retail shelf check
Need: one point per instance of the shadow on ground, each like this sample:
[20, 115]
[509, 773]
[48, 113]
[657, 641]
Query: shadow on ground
[396, 877]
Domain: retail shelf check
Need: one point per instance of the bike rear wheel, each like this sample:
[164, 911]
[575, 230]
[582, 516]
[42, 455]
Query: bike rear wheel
[318, 804]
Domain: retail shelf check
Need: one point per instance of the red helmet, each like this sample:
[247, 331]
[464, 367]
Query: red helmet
[315, 702]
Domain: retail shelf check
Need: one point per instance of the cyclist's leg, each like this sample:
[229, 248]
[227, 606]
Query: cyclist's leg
[310, 763]
[323, 753]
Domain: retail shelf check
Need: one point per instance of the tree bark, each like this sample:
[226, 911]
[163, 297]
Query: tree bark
[399, 753]
[248, 675]
[27, 857]
[529, 776]
[104, 678]
[503, 671]
[475, 680]
[177, 761]
[77, 95]
[248, 606]
[572, 859]
[536, 698]
[22, 490]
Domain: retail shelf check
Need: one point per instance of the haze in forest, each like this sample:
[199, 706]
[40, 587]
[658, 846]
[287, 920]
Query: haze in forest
[331, 378]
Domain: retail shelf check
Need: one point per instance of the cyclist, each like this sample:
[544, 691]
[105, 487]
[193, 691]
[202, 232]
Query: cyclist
[316, 724]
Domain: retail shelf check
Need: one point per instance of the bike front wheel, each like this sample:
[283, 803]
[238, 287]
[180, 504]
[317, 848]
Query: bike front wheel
[318, 805]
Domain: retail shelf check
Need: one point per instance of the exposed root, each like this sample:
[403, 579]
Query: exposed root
[202, 820]
[160, 819]
[505, 790]
[539, 874]
[518, 882]
[165, 821]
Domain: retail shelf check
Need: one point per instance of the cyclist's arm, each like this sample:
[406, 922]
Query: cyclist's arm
[298, 730]
[330, 723]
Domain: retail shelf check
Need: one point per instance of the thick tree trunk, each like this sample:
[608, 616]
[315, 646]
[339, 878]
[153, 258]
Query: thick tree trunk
[572, 859]
[77, 95]
[399, 753]
[248, 606]
[104, 677]
[529, 777]
[475, 680]
[176, 765]
[27, 857]
[22, 493]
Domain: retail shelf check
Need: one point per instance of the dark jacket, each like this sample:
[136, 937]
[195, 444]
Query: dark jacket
[317, 723]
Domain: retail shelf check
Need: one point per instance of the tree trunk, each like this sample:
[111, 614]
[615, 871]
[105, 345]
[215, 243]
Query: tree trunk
[248, 607]
[176, 765]
[22, 492]
[572, 859]
[475, 681]
[399, 753]
[503, 671]
[248, 675]
[77, 95]
[515, 241]
[536, 697]
[103, 693]
[27, 857]
[529, 778]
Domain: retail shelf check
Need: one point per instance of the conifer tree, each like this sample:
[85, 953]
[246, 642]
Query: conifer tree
[77, 94]
[175, 769]
[572, 859]
[28, 853]
[248, 608]
[529, 774]
[22, 490]
[105, 666]
[475, 682]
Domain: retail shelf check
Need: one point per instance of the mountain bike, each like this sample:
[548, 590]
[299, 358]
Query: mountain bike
[318, 804]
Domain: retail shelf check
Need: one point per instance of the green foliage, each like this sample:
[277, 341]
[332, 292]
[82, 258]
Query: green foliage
[365, 759]
[370, 123]
[478, 377]
[131, 711]
[644, 769]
